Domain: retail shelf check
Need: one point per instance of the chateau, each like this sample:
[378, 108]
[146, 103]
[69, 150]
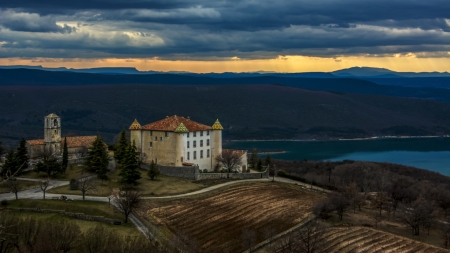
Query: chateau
[180, 141]
[52, 143]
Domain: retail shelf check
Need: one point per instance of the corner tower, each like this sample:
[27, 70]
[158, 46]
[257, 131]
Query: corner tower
[52, 133]
[216, 139]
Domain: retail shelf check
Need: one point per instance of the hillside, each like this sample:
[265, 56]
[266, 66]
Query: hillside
[247, 112]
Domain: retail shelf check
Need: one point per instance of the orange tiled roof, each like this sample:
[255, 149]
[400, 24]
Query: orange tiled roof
[171, 123]
[36, 142]
[240, 153]
[79, 141]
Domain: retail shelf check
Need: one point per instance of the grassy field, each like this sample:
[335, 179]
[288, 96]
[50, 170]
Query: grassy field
[86, 207]
[216, 222]
[161, 186]
[24, 185]
[73, 171]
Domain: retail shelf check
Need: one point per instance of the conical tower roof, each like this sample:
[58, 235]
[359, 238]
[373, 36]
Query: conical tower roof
[217, 125]
[135, 125]
[181, 128]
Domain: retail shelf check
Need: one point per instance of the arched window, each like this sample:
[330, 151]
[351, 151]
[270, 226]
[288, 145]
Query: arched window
[55, 122]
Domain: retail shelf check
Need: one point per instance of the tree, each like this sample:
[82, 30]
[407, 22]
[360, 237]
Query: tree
[254, 158]
[130, 164]
[97, 159]
[323, 208]
[11, 164]
[310, 237]
[127, 202]
[416, 214]
[121, 147]
[49, 165]
[268, 160]
[44, 184]
[14, 185]
[230, 159]
[259, 165]
[65, 157]
[2, 150]
[87, 184]
[340, 203]
[154, 171]
[22, 153]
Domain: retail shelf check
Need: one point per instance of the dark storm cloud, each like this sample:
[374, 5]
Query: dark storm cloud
[213, 29]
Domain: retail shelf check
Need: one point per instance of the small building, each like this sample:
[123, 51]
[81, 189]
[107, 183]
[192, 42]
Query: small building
[178, 141]
[52, 144]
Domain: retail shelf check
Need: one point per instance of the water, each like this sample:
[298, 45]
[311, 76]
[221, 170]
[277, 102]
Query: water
[426, 153]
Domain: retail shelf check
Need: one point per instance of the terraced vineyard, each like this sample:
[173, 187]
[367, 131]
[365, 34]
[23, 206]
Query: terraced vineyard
[224, 222]
[363, 239]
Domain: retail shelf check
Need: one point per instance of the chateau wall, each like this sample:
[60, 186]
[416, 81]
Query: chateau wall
[203, 176]
[188, 172]
[205, 162]
[165, 151]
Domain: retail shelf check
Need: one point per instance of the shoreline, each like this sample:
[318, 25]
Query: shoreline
[350, 139]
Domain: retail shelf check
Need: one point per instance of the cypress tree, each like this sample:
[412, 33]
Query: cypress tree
[97, 160]
[268, 160]
[22, 154]
[154, 171]
[11, 163]
[259, 165]
[121, 147]
[130, 164]
[65, 157]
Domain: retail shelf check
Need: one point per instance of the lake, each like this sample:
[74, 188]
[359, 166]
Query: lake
[426, 153]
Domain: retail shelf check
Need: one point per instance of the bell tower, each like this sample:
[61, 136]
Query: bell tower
[52, 134]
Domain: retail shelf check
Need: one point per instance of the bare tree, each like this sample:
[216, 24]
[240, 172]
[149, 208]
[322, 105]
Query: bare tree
[310, 237]
[417, 214]
[87, 184]
[13, 184]
[44, 184]
[230, 159]
[445, 228]
[339, 202]
[127, 202]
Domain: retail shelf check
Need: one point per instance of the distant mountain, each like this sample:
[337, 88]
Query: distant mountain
[357, 72]
[34, 77]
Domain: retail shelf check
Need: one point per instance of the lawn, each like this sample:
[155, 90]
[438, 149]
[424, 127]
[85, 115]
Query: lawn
[24, 185]
[86, 207]
[73, 171]
[161, 186]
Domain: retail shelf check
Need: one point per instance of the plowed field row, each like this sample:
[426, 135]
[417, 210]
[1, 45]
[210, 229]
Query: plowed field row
[368, 240]
[217, 223]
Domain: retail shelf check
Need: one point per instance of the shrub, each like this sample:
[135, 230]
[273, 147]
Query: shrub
[323, 208]
[282, 173]
[4, 203]
[205, 171]
[73, 184]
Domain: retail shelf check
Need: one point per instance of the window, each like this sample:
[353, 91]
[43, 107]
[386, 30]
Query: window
[195, 155]
[194, 144]
[161, 139]
[167, 134]
[188, 156]
[156, 138]
[150, 133]
[150, 144]
[188, 135]
[201, 153]
[207, 132]
[195, 134]
[201, 133]
[207, 153]
[207, 142]
[188, 144]
[181, 159]
[201, 143]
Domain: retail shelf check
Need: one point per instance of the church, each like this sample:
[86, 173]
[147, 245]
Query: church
[52, 144]
[180, 141]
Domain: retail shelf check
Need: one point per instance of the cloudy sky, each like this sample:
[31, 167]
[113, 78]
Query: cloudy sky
[244, 35]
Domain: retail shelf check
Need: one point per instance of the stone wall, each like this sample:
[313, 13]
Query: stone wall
[192, 172]
[264, 174]
[188, 172]
[80, 216]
